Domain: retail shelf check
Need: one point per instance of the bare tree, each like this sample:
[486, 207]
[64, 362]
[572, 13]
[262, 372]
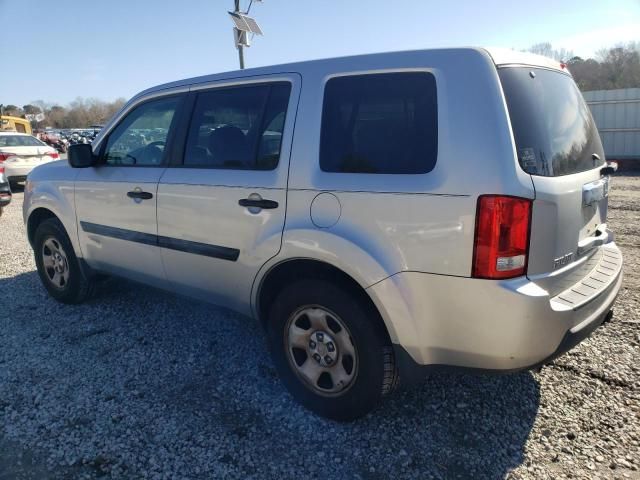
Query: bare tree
[546, 50]
[79, 113]
[615, 67]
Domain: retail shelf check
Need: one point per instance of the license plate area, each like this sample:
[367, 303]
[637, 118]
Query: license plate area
[595, 192]
[23, 160]
[595, 199]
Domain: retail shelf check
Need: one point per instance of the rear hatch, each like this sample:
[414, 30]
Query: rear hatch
[558, 144]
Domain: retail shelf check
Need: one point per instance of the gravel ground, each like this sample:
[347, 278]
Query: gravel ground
[141, 384]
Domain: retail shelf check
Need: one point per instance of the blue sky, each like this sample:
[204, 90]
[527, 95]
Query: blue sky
[57, 51]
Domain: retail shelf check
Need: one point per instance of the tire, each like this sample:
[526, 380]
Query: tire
[51, 238]
[295, 321]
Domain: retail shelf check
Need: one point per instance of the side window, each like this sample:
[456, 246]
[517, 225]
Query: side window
[140, 138]
[380, 123]
[238, 128]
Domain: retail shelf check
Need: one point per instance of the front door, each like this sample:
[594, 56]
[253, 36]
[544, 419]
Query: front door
[221, 211]
[116, 200]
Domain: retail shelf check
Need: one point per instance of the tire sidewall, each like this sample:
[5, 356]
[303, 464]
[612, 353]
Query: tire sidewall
[366, 391]
[52, 228]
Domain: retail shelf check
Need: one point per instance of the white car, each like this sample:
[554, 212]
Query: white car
[20, 153]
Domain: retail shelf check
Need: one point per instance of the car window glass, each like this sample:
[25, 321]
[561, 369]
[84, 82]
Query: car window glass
[380, 123]
[140, 139]
[238, 128]
[553, 128]
[20, 141]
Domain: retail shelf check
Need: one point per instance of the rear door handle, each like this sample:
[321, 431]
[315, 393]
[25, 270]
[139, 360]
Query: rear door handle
[139, 195]
[258, 203]
[609, 168]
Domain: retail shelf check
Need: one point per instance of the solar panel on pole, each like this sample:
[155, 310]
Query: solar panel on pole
[240, 22]
[253, 26]
[245, 23]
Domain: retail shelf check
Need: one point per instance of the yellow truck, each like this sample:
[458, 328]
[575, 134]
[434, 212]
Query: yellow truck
[15, 124]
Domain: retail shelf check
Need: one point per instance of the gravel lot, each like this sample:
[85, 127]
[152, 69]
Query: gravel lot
[140, 384]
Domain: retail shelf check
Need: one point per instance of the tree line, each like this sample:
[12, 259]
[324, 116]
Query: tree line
[80, 113]
[612, 68]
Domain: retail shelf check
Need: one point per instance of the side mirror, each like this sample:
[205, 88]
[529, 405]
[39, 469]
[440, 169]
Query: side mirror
[80, 155]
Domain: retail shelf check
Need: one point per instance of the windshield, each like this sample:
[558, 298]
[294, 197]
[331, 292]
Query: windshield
[554, 132]
[19, 141]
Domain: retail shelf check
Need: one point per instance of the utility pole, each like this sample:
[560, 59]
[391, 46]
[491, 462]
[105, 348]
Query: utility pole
[245, 28]
[240, 46]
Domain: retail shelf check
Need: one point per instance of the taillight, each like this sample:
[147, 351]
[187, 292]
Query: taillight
[54, 155]
[501, 244]
[4, 156]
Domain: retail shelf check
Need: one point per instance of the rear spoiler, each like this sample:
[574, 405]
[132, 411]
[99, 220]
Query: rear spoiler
[504, 57]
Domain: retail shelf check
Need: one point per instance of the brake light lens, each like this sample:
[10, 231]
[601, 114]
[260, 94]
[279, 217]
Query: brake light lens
[54, 155]
[501, 246]
[4, 156]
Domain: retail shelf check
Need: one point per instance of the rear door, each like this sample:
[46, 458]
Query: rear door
[221, 209]
[558, 145]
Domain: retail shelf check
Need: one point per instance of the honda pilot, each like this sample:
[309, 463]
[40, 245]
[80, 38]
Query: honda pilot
[381, 215]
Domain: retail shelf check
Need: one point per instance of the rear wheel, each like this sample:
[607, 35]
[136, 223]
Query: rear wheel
[330, 350]
[58, 266]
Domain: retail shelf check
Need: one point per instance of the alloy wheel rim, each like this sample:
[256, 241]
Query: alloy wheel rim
[321, 351]
[55, 263]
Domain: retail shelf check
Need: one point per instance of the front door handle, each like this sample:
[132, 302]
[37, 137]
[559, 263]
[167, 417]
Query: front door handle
[258, 203]
[140, 195]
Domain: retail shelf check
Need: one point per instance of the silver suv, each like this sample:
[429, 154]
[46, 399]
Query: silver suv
[381, 215]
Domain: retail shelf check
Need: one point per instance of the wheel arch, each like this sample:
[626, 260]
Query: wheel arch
[294, 269]
[50, 194]
[36, 217]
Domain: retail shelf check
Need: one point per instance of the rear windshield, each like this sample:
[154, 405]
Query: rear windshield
[554, 132]
[19, 141]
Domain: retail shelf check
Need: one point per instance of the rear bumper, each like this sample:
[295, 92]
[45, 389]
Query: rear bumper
[5, 194]
[442, 322]
[18, 172]
[17, 178]
[413, 372]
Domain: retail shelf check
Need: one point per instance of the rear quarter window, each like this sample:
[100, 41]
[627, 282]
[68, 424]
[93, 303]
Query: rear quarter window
[20, 141]
[380, 123]
[553, 128]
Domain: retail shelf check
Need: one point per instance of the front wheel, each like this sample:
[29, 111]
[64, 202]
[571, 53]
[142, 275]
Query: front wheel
[58, 266]
[330, 349]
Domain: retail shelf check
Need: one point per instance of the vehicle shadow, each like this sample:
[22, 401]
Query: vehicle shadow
[465, 425]
[175, 371]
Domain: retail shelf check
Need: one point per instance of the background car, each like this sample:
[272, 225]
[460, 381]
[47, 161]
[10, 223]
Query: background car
[20, 153]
